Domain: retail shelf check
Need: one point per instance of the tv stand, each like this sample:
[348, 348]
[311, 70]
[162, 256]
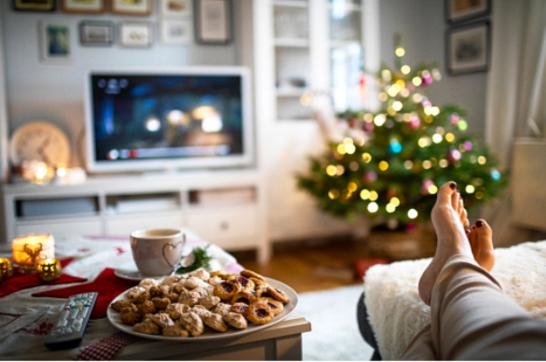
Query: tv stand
[223, 206]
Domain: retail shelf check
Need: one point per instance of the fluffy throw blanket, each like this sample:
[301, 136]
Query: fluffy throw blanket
[396, 313]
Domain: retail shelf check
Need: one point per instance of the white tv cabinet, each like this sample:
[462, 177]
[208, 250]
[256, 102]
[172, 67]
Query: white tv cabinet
[224, 207]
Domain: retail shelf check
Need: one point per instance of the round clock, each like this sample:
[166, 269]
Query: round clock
[39, 141]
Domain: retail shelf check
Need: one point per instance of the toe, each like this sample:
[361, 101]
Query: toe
[444, 195]
[455, 197]
[484, 232]
[464, 218]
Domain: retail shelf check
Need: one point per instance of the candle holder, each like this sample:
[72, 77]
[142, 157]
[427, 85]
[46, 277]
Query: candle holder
[49, 269]
[29, 249]
[6, 269]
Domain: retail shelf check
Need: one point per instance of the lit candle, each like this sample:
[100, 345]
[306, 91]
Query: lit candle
[49, 269]
[29, 249]
[6, 269]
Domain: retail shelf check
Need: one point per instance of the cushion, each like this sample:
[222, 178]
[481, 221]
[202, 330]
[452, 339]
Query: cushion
[396, 313]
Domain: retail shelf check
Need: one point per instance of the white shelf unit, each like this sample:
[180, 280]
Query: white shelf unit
[118, 205]
[291, 136]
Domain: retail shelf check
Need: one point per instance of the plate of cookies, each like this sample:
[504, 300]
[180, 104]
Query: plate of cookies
[202, 306]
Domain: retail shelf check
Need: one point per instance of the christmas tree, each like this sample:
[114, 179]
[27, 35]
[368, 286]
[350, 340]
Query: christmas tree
[391, 162]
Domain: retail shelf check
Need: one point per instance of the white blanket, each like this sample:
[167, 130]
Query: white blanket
[396, 313]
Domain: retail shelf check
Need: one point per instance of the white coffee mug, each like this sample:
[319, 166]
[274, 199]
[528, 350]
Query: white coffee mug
[157, 251]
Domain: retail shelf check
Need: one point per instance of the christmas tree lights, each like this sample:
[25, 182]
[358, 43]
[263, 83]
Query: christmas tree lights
[409, 148]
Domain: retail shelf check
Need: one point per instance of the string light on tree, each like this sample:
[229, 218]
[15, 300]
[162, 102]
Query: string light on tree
[412, 147]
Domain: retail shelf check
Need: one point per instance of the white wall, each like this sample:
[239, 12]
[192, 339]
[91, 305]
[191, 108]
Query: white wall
[422, 25]
[55, 92]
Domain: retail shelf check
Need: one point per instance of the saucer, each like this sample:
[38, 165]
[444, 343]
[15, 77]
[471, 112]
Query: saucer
[133, 274]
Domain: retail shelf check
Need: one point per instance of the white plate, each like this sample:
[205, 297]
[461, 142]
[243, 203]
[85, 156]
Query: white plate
[209, 335]
[133, 275]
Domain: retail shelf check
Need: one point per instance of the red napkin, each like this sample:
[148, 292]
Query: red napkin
[106, 284]
[21, 281]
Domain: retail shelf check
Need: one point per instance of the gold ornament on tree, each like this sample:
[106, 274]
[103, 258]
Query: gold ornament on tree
[6, 269]
[49, 269]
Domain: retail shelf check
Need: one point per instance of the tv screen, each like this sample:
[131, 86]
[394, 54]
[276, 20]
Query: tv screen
[183, 118]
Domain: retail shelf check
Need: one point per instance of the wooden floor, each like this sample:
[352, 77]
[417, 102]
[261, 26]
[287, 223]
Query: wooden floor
[308, 266]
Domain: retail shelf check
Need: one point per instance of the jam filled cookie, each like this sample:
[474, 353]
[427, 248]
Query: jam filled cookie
[193, 323]
[246, 283]
[236, 320]
[239, 307]
[276, 306]
[227, 289]
[251, 274]
[244, 297]
[259, 313]
[276, 294]
[215, 321]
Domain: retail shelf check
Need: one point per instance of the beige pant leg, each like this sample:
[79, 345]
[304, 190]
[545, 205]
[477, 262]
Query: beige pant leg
[473, 319]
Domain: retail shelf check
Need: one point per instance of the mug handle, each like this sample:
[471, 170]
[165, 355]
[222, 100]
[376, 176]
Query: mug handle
[172, 245]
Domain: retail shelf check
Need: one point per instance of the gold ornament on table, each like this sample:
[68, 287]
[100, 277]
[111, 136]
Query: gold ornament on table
[49, 269]
[6, 269]
[29, 249]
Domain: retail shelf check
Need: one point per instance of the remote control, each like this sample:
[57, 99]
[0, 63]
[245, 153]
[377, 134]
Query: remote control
[72, 321]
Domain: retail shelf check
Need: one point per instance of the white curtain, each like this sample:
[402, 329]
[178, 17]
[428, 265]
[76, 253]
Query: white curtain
[516, 92]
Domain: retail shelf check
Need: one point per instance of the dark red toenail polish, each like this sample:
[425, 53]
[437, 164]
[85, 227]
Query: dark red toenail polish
[479, 223]
[453, 185]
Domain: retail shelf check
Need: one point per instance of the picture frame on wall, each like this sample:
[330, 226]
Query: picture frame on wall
[55, 42]
[468, 48]
[131, 7]
[212, 21]
[96, 33]
[457, 11]
[34, 5]
[175, 8]
[135, 34]
[177, 31]
[82, 6]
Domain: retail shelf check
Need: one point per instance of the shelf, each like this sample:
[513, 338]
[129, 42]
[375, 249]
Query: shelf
[291, 92]
[347, 7]
[291, 42]
[291, 3]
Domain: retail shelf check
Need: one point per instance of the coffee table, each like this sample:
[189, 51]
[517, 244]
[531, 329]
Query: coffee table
[282, 341]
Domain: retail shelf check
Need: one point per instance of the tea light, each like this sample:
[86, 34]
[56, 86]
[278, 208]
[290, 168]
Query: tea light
[29, 249]
[6, 269]
[49, 269]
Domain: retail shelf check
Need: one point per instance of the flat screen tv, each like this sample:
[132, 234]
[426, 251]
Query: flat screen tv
[166, 119]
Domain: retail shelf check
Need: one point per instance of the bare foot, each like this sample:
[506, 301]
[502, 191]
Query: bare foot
[481, 241]
[451, 236]
[479, 235]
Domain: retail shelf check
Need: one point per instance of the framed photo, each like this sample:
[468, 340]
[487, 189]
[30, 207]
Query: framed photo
[55, 43]
[175, 8]
[213, 21]
[82, 6]
[135, 34]
[461, 10]
[468, 48]
[96, 33]
[132, 7]
[33, 5]
[177, 31]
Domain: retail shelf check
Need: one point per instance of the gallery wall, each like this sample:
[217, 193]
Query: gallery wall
[422, 25]
[54, 92]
